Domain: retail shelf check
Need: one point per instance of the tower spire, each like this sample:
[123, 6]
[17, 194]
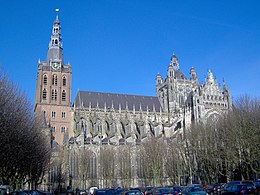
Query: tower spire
[55, 44]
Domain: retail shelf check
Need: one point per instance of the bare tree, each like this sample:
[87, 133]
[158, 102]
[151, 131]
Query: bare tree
[173, 162]
[228, 149]
[244, 136]
[123, 166]
[19, 133]
[152, 160]
[84, 165]
[107, 164]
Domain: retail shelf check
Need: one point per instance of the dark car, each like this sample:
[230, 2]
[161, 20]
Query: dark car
[249, 183]
[148, 190]
[257, 186]
[33, 192]
[176, 189]
[4, 189]
[133, 192]
[239, 189]
[116, 191]
[215, 189]
[103, 192]
[193, 190]
[135, 189]
[163, 191]
[18, 193]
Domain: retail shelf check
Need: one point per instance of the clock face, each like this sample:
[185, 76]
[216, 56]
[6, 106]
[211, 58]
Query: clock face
[55, 65]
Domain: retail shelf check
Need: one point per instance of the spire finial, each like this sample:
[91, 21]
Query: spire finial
[57, 13]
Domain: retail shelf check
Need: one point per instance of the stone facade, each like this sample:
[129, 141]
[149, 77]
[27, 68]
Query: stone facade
[96, 119]
[119, 119]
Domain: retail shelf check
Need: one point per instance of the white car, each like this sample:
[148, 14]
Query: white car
[92, 189]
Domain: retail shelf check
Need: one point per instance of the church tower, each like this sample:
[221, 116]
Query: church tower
[53, 87]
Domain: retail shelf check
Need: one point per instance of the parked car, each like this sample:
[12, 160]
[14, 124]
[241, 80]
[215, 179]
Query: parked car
[163, 191]
[215, 189]
[133, 192]
[135, 189]
[92, 189]
[148, 190]
[103, 192]
[18, 192]
[194, 190]
[116, 191]
[257, 186]
[4, 189]
[239, 189]
[82, 192]
[176, 190]
[32, 192]
[249, 183]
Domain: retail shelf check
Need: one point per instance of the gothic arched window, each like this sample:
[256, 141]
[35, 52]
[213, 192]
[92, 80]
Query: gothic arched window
[63, 95]
[54, 79]
[64, 81]
[123, 132]
[55, 30]
[53, 128]
[93, 166]
[44, 94]
[107, 128]
[54, 94]
[45, 78]
[151, 130]
[62, 130]
[137, 130]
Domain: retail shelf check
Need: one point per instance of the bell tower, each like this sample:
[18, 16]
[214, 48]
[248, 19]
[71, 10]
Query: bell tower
[53, 87]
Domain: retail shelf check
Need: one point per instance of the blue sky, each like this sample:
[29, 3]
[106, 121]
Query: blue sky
[120, 45]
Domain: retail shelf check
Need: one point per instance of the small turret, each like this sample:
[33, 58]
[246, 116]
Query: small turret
[170, 72]
[174, 62]
[158, 79]
[193, 74]
[210, 79]
[226, 94]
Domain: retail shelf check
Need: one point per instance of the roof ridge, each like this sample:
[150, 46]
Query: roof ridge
[112, 93]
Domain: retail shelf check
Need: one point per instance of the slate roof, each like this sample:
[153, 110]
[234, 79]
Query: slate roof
[101, 99]
[179, 75]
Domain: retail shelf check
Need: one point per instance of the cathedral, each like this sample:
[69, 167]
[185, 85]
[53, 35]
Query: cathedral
[97, 119]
